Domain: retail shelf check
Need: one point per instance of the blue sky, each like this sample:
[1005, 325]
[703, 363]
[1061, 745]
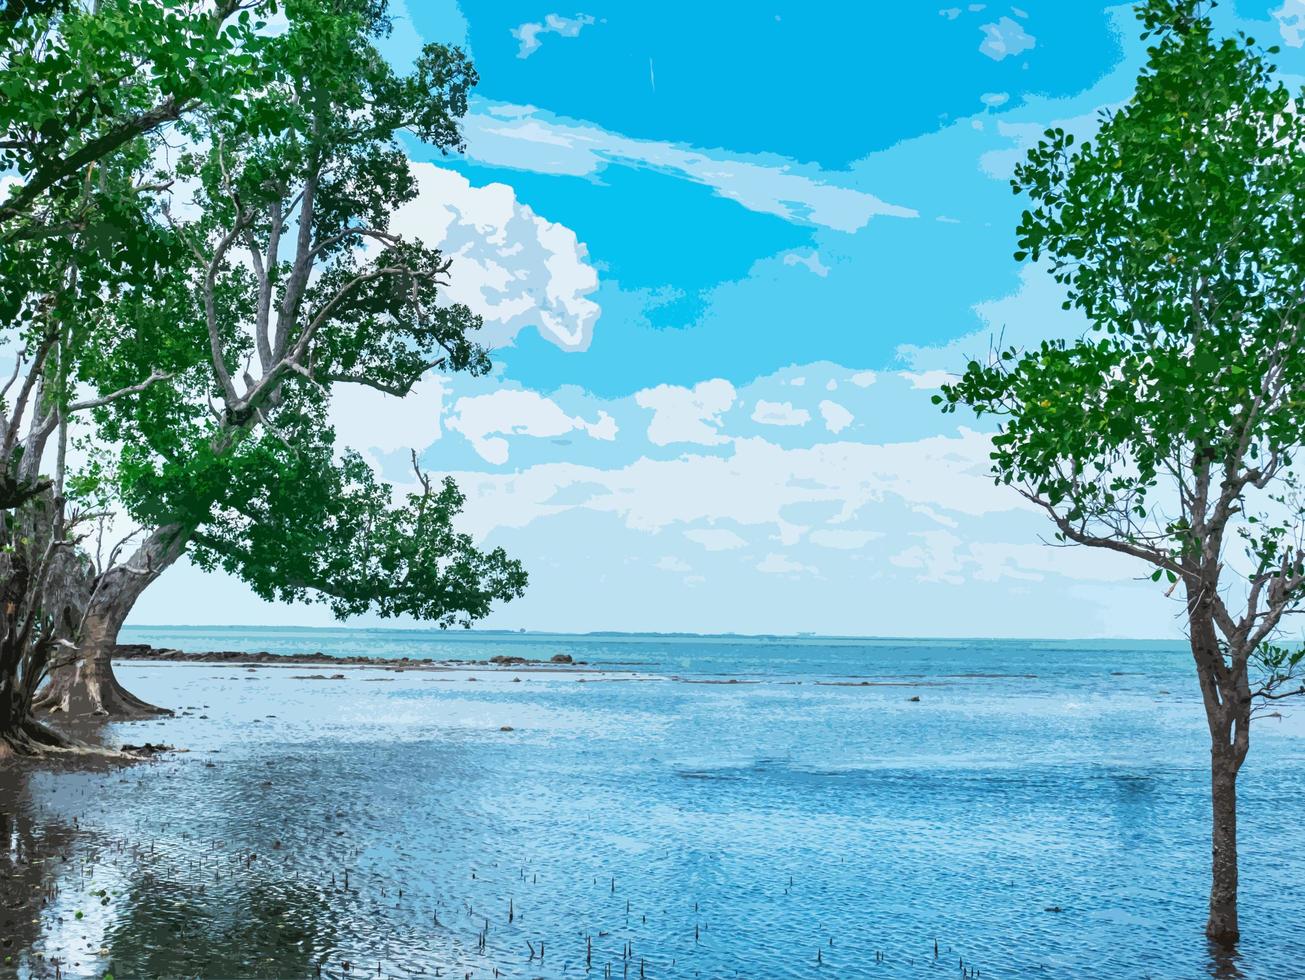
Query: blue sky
[725, 254]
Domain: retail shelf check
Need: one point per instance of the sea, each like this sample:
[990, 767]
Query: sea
[665, 807]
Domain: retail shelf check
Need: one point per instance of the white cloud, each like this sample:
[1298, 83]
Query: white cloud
[753, 485]
[936, 558]
[1026, 317]
[715, 538]
[484, 418]
[774, 564]
[528, 33]
[927, 380]
[687, 414]
[810, 260]
[1005, 38]
[864, 379]
[779, 413]
[8, 184]
[669, 563]
[1032, 562]
[511, 266]
[951, 13]
[841, 539]
[522, 137]
[1291, 22]
[994, 99]
[837, 418]
[410, 423]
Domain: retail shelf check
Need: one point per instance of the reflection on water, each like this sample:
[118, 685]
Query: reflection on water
[419, 823]
[27, 845]
[1223, 963]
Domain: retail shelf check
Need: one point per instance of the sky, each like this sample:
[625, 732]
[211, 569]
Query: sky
[725, 255]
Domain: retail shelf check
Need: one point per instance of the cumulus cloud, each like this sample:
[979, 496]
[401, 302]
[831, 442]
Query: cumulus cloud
[779, 413]
[837, 418]
[511, 266]
[528, 34]
[1005, 38]
[687, 414]
[484, 419]
[1291, 22]
[525, 138]
[864, 379]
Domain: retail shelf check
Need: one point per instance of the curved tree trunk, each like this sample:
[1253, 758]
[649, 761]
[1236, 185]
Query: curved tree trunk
[86, 685]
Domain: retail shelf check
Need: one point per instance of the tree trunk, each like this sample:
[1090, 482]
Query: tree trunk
[1222, 925]
[1226, 695]
[86, 685]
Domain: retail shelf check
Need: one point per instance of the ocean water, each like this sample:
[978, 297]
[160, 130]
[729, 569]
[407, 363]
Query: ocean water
[680, 807]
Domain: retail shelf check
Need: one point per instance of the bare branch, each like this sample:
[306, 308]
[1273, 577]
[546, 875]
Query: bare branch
[155, 377]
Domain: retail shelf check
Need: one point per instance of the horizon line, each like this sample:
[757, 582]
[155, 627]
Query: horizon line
[505, 631]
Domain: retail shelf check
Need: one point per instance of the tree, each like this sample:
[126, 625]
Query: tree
[1170, 432]
[85, 92]
[294, 286]
[56, 290]
[328, 530]
[80, 83]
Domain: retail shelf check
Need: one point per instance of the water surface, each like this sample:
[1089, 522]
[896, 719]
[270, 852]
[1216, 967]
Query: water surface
[809, 819]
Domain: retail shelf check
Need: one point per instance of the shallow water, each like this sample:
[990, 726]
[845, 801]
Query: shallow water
[719, 829]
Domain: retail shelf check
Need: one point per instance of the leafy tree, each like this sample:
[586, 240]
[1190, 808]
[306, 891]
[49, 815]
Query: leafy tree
[294, 284]
[329, 531]
[81, 82]
[1171, 431]
[85, 93]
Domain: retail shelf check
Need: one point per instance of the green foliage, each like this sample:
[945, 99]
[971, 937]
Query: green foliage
[1179, 231]
[81, 82]
[234, 447]
[298, 524]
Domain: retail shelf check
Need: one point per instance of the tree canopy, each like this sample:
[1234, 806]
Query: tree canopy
[196, 253]
[1179, 230]
[1171, 430]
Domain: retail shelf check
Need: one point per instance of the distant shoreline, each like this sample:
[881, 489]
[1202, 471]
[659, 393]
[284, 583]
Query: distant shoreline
[148, 653]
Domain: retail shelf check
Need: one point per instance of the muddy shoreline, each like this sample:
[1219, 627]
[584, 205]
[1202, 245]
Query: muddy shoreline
[145, 652]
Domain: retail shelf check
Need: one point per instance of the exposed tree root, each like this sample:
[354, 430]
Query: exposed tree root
[89, 689]
[33, 740]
